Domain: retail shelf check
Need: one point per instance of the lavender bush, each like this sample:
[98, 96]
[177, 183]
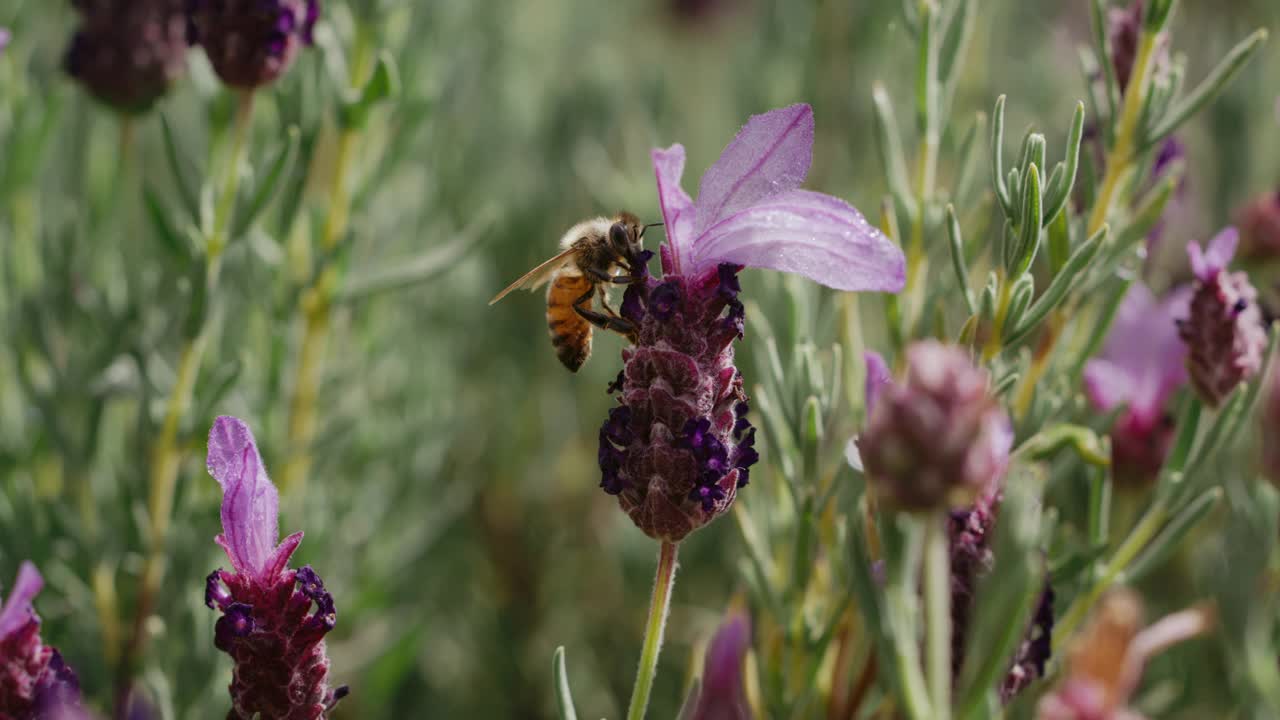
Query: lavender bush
[971, 421]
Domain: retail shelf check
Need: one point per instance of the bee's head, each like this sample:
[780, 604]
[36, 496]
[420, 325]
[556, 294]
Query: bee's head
[625, 236]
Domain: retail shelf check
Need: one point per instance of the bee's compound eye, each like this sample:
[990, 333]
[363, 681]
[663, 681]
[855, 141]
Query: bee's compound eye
[618, 235]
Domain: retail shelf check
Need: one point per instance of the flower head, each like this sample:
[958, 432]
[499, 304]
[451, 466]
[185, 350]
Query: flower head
[251, 43]
[1223, 332]
[1105, 661]
[34, 680]
[1141, 366]
[937, 438]
[1259, 223]
[723, 695]
[127, 53]
[679, 445]
[274, 618]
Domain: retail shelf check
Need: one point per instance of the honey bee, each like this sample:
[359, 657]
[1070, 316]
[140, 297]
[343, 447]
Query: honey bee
[591, 252]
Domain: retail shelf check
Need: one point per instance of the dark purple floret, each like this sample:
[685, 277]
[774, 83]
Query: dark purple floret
[251, 43]
[127, 53]
[664, 300]
[35, 682]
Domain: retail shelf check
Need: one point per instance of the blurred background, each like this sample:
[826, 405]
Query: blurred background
[452, 507]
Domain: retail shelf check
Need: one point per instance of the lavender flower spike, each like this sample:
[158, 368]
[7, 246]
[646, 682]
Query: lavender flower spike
[723, 695]
[128, 53]
[251, 43]
[34, 681]
[1141, 366]
[679, 445]
[274, 618]
[1224, 331]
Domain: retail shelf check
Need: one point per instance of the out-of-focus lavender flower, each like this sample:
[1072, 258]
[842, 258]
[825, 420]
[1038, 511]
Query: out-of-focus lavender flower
[34, 680]
[1223, 331]
[251, 43]
[1259, 223]
[127, 53]
[1124, 32]
[274, 618]
[679, 445]
[937, 439]
[5, 36]
[1141, 366]
[971, 531]
[723, 695]
[1105, 661]
[1269, 416]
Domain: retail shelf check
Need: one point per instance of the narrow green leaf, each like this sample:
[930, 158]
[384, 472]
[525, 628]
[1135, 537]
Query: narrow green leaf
[1019, 298]
[1159, 549]
[1102, 43]
[1059, 193]
[1028, 238]
[1209, 88]
[956, 242]
[564, 698]
[997, 157]
[1058, 289]
[382, 85]
[889, 149]
[170, 238]
[179, 165]
[278, 167]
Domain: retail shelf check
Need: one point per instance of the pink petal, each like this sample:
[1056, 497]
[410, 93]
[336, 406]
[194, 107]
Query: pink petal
[18, 610]
[1143, 361]
[877, 378]
[771, 154]
[723, 696]
[808, 233]
[1205, 264]
[677, 208]
[250, 505]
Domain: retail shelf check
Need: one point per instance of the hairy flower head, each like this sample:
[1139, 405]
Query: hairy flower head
[127, 53]
[251, 43]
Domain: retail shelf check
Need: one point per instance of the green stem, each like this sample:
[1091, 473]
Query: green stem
[1137, 540]
[937, 600]
[166, 453]
[659, 604]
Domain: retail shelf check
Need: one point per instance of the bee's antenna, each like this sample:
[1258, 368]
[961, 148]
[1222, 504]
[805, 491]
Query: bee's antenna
[646, 227]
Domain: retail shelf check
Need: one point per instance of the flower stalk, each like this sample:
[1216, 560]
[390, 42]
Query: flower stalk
[937, 601]
[167, 453]
[315, 303]
[655, 626]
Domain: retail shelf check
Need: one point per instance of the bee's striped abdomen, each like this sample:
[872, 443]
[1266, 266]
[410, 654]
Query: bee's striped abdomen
[570, 333]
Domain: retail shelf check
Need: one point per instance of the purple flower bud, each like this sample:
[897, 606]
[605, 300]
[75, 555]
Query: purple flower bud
[1259, 223]
[251, 43]
[34, 680]
[679, 446]
[1124, 32]
[1224, 332]
[274, 618]
[938, 439]
[723, 695]
[127, 53]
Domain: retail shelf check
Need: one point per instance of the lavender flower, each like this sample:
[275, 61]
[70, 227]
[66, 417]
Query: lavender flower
[274, 618]
[679, 445]
[1259, 223]
[1223, 332]
[723, 695]
[127, 53]
[251, 43]
[938, 438]
[5, 36]
[1124, 31]
[34, 680]
[1141, 366]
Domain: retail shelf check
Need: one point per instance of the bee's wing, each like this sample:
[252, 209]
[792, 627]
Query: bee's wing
[537, 276]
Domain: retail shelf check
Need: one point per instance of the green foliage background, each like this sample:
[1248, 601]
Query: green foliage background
[453, 507]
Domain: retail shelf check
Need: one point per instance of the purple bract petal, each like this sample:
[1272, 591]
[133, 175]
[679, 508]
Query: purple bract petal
[818, 236]
[723, 696]
[771, 154]
[250, 505]
[1144, 360]
[1207, 263]
[18, 609]
[677, 208]
[877, 377]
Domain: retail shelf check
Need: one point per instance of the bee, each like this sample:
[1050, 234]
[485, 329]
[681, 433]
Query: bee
[591, 256]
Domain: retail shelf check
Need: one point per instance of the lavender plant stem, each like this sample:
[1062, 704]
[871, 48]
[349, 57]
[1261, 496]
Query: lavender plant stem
[937, 599]
[659, 604]
[166, 454]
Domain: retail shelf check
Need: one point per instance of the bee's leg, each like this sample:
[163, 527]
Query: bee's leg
[603, 277]
[606, 322]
